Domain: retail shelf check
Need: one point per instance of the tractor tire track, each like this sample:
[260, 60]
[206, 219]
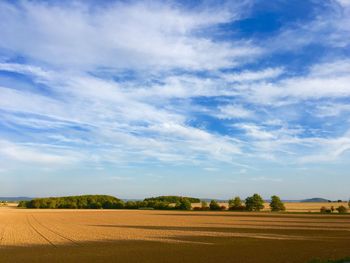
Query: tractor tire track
[40, 234]
[56, 233]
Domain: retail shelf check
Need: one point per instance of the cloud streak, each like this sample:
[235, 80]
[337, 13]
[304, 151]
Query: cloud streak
[143, 84]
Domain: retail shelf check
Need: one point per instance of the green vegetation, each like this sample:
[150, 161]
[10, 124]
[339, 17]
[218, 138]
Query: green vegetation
[183, 204]
[342, 209]
[254, 203]
[74, 202]
[251, 203]
[101, 202]
[236, 204]
[173, 199]
[276, 204]
[214, 205]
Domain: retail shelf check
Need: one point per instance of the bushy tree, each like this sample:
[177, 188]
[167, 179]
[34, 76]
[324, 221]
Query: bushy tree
[183, 204]
[254, 203]
[214, 205]
[342, 209]
[236, 204]
[276, 204]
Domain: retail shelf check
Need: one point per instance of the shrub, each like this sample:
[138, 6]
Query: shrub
[342, 209]
[254, 203]
[325, 210]
[276, 204]
[214, 205]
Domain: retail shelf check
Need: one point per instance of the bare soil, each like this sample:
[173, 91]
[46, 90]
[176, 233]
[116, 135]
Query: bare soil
[169, 236]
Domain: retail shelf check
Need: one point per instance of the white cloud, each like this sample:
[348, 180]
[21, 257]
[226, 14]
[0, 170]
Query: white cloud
[234, 111]
[138, 35]
[24, 69]
[247, 76]
[28, 154]
[325, 80]
[328, 149]
[136, 120]
[331, 109]
[344, 3]
[255, 131]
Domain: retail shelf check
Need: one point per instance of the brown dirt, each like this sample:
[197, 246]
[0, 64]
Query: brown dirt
[169, 236]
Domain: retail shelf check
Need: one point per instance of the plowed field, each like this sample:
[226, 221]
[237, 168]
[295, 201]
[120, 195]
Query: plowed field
[169, 236]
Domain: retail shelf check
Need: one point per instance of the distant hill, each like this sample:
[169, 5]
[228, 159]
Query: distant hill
[15, 199]
[314, 200]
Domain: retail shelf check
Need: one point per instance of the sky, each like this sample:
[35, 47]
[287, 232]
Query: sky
[211, 99]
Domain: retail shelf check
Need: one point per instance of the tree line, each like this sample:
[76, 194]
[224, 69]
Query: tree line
[251, 203]
[109, 202]
[172, 199]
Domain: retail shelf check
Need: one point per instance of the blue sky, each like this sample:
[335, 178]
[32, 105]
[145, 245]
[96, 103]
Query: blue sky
[203, 98]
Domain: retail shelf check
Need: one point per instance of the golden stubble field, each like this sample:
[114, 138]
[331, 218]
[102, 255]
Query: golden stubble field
[169, 236]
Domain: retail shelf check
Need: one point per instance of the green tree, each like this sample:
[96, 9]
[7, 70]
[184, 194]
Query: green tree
[254, 203]
[183, 204]
[214, 205]
[236, 204]
[276, 204]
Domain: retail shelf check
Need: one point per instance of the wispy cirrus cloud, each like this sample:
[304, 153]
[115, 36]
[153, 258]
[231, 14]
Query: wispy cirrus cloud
[143, 84]
[79, 37]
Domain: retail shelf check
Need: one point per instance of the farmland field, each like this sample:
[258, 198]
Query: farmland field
[169, 236]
